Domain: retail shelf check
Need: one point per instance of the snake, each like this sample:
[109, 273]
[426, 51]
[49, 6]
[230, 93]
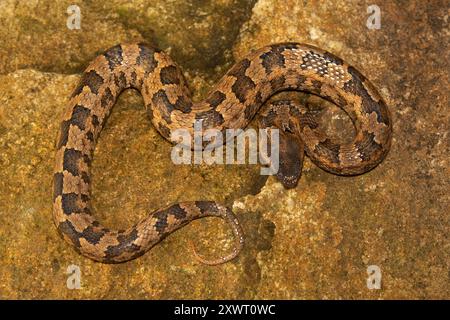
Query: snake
[231, 104]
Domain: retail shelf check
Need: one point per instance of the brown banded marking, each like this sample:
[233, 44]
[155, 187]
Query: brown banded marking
[232, 103]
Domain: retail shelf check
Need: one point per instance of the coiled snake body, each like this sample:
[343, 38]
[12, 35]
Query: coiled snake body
[232, 103]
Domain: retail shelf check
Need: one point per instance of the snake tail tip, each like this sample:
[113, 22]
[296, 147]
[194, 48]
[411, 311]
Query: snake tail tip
[214, 262]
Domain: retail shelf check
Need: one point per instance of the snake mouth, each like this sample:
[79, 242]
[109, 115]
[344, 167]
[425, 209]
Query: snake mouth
[289, 182]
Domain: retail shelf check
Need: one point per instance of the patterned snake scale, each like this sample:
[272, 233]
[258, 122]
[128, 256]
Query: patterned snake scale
[231, 103]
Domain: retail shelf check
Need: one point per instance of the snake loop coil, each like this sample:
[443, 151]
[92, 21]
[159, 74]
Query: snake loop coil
[231, 104]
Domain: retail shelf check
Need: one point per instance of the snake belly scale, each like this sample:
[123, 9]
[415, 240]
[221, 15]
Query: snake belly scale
[231, 104]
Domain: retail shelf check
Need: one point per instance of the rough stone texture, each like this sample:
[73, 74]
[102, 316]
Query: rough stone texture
[313, 242]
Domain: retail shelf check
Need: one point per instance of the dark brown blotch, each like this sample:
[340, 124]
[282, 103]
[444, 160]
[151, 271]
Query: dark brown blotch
[125, 245]
[107, 98]
[277, 83]
[90, 136]
[68, 229]
[121, 80]
[369, 105]
[69, 203]
[114, 57]
[134, 79]
[113, 252]
[368, 147]
[85, 177]
[161, 221]
[183, 104]
[95, 223]
[87, 159]
[161, 101]
[252, 108]
[317, 86]
[170, 75]
[64, 134]
[146, 58]
[300, 81]
[79, 116]
[164, 130]
[211, 118]
[95, 121]
[215, 99]
[243, 83]
[274, 58]
[58, 184]
[90, 79]
[71, 161]
[91, 235]
[176, 211]
[128, 238]
[207, 207]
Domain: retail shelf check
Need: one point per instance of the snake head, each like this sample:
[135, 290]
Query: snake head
[291, 154]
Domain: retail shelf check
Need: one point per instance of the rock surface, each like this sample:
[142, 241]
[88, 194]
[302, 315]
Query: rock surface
[315, 241]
